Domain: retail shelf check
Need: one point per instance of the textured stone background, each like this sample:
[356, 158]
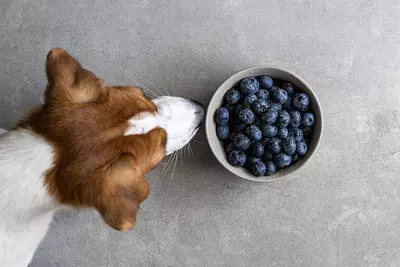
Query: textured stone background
[342, 209]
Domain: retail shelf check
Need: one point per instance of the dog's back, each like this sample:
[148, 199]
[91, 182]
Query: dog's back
[24, 201]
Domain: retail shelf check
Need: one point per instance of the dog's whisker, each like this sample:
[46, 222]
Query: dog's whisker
[191, 150]
[173, 159]
[165, 92]
[181, 156]
[168, 91]
[141, 85]
[161, 91]
[170, 160]
[187, 149]
[147, 90]
[173, 171]
[166, 167]
[169, 163]
[201, 131]
[197, 141]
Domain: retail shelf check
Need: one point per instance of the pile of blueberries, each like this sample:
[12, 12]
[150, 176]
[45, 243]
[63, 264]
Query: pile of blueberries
[265, 124]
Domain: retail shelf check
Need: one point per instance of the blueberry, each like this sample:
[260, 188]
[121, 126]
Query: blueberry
[258, 169]
[270, 116]
[229, 148]
[296, 133]
[274, 145]
[288, 87]
[264, 140]
[302, 148]
[249, 85]
[282, 133]
[306, 130]
[282, 160]
[257, 149]
[295, 118]
[268, 156]
[237, 158]
[223, 131]
[275, 106]
[241, 142]
[246, 116]
[266, 82]
[289, 145]
[301, 101]
[249, 100]
[308, 119]
[280, 96]
[262, 94]
[252, 160]
[254, 133]
[269, 130]
[295, 157]
[240, 127]
[270, 168]
[260, 106]
[283, 119]
[222, 116]
[232, 96]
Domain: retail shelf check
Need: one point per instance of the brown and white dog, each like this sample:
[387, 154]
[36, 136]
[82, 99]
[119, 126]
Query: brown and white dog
[88, 145]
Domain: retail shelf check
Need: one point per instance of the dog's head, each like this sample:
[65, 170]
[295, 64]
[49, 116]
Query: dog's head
[106, 138]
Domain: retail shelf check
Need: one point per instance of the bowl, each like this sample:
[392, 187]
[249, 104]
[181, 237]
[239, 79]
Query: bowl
[217, 100]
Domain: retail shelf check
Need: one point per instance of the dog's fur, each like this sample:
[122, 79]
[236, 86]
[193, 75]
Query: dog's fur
[89, 145]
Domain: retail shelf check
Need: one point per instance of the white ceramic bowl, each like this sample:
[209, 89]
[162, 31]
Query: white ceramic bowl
[217, 99]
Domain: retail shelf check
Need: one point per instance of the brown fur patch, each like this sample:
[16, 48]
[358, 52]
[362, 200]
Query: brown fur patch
[85, 121]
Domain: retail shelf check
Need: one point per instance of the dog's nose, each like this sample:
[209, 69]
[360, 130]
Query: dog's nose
[197, 103]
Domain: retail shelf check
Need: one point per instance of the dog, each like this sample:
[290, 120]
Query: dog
[88, 146]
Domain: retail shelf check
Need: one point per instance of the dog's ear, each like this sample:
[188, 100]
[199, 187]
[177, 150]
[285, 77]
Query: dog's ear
[124, 186]
[69, 82]
[123, 190]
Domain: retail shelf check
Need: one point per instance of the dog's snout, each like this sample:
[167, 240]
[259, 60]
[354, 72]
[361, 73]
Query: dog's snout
[200, 112]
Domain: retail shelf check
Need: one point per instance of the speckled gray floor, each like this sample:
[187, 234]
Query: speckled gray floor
[342, 209]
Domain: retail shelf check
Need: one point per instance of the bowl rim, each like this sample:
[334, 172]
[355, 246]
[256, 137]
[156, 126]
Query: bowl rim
[210, 116]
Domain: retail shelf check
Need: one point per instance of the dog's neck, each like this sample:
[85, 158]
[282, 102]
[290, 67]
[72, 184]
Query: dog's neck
[24, 160]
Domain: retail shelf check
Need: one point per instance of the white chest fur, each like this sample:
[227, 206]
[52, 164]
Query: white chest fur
[26, 209]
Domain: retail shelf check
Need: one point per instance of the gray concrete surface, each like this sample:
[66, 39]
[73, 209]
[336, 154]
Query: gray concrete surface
[342, 209]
